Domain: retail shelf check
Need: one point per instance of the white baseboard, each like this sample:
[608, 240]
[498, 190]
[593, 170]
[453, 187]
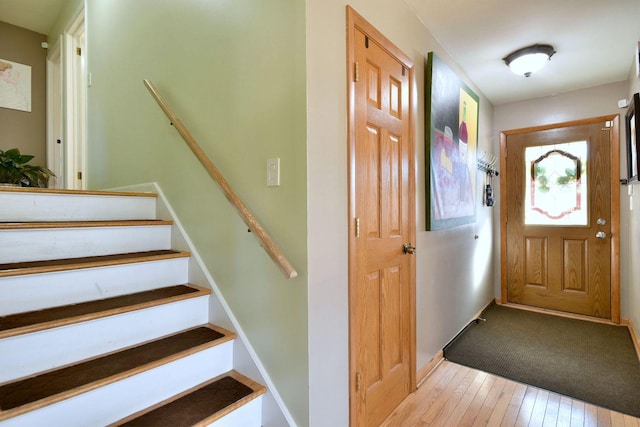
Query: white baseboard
[634, 335]
[424, 372]
[181, 241]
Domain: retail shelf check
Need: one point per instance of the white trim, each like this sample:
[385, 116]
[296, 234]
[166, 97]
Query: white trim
[55, 154]
[242, 337]
[75, 106]
[634, 335]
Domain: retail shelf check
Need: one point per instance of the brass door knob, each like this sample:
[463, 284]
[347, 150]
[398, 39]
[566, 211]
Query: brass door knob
[408, 248]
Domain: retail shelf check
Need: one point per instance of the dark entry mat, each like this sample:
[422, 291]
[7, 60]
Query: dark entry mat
[593, 362]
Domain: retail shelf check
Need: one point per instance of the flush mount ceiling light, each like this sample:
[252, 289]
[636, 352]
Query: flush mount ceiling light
[529, 59]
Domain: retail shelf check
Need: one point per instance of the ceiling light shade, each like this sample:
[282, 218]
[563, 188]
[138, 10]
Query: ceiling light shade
[529, 59]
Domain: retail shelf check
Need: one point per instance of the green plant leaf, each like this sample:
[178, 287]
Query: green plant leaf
[14, 170]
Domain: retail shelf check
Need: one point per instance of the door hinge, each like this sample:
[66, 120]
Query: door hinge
[356, 72]
[358, 381]
[357, 227]
[79, 51]
[404, 71]
[79, 175]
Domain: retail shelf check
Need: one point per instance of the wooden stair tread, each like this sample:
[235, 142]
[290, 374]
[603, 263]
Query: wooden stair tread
[31, 321]
[202, 405]
[82, 224]
[62, 383]
[37, 190]
[31, 267]
[115, 368]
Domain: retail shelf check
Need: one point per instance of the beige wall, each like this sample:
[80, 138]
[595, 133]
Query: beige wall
[22, 129]
[448, 293]
[631, 204]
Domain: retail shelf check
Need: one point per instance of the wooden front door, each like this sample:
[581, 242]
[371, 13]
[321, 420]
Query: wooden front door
[560, 205]
[382, 216]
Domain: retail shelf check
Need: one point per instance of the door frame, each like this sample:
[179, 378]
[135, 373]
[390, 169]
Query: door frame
[355, 20]
[614, 152]
[55, 154]
[66, 107]
[75, 92]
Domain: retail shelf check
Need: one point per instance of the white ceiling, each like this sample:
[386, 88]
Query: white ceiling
[594, 39]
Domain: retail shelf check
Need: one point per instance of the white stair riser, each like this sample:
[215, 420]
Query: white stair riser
[44, 243]
[38, 291]
[65, 345]
[29, 354]
[248, 415]
[69, 207]
[118, 400]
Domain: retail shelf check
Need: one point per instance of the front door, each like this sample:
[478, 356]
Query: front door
[382, 216]
[561, 223]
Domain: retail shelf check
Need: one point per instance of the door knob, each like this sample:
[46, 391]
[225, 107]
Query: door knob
[408, 248]
[601, 221]
[601, 235]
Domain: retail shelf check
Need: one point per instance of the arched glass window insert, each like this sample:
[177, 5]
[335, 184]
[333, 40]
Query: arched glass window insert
[556, 184]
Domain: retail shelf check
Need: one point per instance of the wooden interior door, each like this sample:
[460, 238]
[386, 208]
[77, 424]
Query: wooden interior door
[382, 211]
[559, 185]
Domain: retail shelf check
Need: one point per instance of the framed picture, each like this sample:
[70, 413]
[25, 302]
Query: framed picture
[15, 85]
[451, 145]
[633, 137]
[638, 61]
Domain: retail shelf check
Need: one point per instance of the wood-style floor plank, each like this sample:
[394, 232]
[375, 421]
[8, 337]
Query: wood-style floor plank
[460, 391]
[439, 404]
[551, 410]
[539, 408]
[514, 405]
[465, 401]
[500, 408]
[564, 413]
[459, 396]
[590, 415]
[526, 408]
[472, 412]
[492, 398]
[604, 418]
[577, 413]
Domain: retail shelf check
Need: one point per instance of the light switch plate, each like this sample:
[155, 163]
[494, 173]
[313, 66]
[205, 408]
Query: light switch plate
[273, 172]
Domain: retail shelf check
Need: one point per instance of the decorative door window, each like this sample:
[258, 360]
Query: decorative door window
[556, 184]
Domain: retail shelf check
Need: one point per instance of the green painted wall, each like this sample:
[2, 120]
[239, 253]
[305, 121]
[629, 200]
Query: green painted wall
[235, 75]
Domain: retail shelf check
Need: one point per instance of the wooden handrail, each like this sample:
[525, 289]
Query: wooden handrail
[253, 224]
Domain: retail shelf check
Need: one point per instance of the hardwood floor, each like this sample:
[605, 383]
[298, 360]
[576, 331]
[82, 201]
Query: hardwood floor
[454, 395]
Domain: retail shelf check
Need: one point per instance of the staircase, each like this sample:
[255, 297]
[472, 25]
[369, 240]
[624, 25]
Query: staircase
[99, 324]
